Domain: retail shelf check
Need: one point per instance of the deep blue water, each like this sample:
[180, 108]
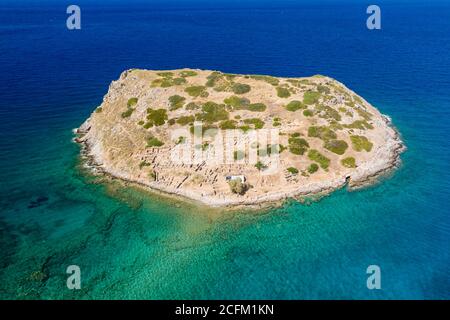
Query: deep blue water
[130, 244]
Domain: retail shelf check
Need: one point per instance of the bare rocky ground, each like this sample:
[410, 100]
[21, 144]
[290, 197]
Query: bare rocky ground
[328, 135]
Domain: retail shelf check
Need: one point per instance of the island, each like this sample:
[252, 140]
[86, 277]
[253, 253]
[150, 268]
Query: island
[322, 136]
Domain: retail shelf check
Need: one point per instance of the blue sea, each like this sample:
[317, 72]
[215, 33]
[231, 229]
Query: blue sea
[132, 244]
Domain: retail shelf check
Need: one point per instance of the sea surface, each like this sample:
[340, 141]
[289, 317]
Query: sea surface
[132, 244]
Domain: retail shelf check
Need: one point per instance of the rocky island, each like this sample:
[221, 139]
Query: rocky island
[326, 135]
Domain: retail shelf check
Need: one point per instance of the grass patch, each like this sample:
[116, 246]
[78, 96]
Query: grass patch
[297, 145]
[176, 102]
[321, 132]
[237, 102]
[192, 106]
[256, 122]
[168, 82]
[295, 105]
[360, 143]
[187, 73]
[154, 142]
[185, 120]
[238, 187]
[212, 112]
[316, 156]
[327, 112]
[132, 102]
[359, 124]
[157, 117]
[99, 110]
[128, 113]
[260, 166]
[283, 92]
[292, 170]
[227, 124]
[308, 113]
[349, 162]
[270, 80]
[323, 89]
[311, 97]
[313, 167]
[240, 88]
[257, 107]
[336, 146]
[197, 91]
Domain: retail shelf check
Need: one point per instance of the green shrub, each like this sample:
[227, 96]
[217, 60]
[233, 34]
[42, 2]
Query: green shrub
[256, 122]
[212, 112]
[316, 156]
[132, 102]
[154, 142]
[311, 97]
[327, 112]
[297, 145]
[308, 113]
[144, 164]
[197, 91]
[213, 78]
[270, 80]
[238, 187]
[237, 102]
[292, 170]
[323, 89]
[180, 140]
[187, 73]
[360, 143]
[158, 117]
[176, 102]
[227, 124]
[245, 128]
[359, 124]
[322, 132]
[313, 168]
[98, 110]
[295, 105]
[168, 82]
[260, 166]
[165, 74]
[192, 106]
[283, 92]
[127, 113]
[349, 162]
[141, 123]
[148, 125]
[257, 107]
[184, 120]
[364, 114]
[240, 88]
[336, 146]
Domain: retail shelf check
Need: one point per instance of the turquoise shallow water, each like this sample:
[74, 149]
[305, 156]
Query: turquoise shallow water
[131, 244]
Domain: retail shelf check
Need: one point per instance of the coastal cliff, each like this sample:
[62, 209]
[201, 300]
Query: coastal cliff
[327, 136]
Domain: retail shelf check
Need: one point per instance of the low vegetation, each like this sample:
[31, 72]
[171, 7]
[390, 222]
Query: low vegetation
[197, 91]
[349, 162]
[176, 102]
[295, 105]
[316, 156]
[311, 97]
[256, 122]
[240, 88]
[212, 112]
[283, 92]
[157, 117]
[336, 146]
[321, 132]
[292, 170]
[238, 187]
[297, 145]
[360, 143]
[312, 168]
[154, 142]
